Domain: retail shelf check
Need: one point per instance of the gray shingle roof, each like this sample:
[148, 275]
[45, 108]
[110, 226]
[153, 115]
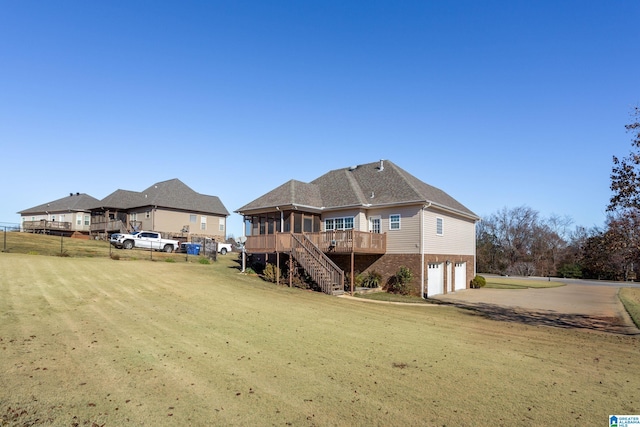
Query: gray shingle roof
[367, 185]
[172, 194]
[78, 202]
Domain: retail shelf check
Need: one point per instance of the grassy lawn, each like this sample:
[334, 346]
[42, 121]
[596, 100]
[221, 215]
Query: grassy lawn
[93, 341]
[385, 296]
[514, 283]
[630, 298]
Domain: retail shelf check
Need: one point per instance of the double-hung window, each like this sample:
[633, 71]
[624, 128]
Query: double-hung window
[394, 222]
[439, 227]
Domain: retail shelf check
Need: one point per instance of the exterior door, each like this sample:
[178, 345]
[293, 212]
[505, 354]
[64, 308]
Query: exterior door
[435, 279]
[460, 275]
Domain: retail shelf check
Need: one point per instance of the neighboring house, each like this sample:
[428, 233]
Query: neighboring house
[371, 217]
[169, 207]
[69, 216]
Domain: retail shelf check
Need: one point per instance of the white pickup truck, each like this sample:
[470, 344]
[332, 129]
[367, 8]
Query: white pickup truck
[145, 240]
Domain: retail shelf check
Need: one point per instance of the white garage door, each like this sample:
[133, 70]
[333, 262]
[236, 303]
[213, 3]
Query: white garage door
[460, 275]
[435, 279]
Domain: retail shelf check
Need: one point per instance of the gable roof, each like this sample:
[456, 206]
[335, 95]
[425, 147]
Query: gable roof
[370, 185]
[78, 202]
[173, 194]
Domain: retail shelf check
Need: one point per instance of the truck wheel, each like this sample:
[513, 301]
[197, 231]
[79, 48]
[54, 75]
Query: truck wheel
[168, 248]
[223, 251]
[128, 244]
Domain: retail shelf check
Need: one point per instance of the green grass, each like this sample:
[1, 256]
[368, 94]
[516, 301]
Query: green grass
[630, 298]
[513, 283]
[385, 296]
[93, 341]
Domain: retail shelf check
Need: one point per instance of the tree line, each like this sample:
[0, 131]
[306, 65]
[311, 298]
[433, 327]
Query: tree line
[519, 241]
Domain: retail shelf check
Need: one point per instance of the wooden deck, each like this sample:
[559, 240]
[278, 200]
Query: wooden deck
[44, 226]
[343, 242]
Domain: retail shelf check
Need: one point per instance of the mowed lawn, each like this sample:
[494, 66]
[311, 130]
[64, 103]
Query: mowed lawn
[98, 342]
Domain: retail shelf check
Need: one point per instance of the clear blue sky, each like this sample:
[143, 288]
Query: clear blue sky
[499, 103]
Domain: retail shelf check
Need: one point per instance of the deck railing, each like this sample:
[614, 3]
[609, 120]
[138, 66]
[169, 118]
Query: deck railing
[45, 225]
[111, 225]
[341, 241]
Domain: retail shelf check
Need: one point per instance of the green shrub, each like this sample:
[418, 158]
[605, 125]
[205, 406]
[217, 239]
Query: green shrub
[271, 273]
[372, 279]
[169, 260]
[357, 280]
[478, 282]
[203, 260]
[249, 270]
[400, 282]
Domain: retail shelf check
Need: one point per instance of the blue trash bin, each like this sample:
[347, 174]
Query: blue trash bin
[193, 249]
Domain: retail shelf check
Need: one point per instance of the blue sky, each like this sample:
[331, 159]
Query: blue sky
[498, 103]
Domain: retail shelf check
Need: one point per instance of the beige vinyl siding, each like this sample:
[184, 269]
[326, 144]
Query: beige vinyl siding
[169, 221]
[406, 240]
[459, 235]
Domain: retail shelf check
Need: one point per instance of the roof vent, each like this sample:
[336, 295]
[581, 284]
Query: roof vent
[77, 194]
[352, 168]
[373, 194]
[381, 167]
[70, 194]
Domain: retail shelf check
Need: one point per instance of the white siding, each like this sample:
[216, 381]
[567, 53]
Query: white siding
[458, 237]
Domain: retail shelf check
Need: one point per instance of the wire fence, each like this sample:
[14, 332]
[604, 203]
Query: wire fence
[12, 240]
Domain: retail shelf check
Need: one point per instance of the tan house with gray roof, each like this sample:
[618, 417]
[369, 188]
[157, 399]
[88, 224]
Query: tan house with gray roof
[68, 216]
[170, 207]
[371, 217]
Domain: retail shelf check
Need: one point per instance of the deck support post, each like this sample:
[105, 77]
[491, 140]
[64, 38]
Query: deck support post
[352, 266]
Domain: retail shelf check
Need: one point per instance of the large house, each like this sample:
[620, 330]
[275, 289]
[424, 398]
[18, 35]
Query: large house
[68, 216]
[170, 207]
[371, 217]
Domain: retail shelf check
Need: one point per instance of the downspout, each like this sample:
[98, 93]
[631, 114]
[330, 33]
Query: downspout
[425, 207]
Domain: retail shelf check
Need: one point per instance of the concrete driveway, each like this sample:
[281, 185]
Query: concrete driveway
[570, 306]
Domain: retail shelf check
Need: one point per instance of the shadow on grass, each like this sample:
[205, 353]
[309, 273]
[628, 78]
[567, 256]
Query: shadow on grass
[614, 325]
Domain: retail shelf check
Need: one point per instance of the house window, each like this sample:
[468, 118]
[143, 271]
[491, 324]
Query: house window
[374, 224]
[134, 216]
[78, 219]
[221, 227]
[87, 220]
[439, 227]
[203, 223]
[394, 222]
[344, 223]
[193, 218]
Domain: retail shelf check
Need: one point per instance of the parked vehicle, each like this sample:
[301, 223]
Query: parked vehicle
[223, 248]
[144, 239]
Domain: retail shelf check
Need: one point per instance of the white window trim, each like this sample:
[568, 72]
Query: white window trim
[442, 226]
[371, 219]
[343, 218]
[399, 222]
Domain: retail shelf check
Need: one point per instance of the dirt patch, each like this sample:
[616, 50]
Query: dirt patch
[572, 306]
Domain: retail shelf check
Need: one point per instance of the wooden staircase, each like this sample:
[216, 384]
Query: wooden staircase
[320, 268]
